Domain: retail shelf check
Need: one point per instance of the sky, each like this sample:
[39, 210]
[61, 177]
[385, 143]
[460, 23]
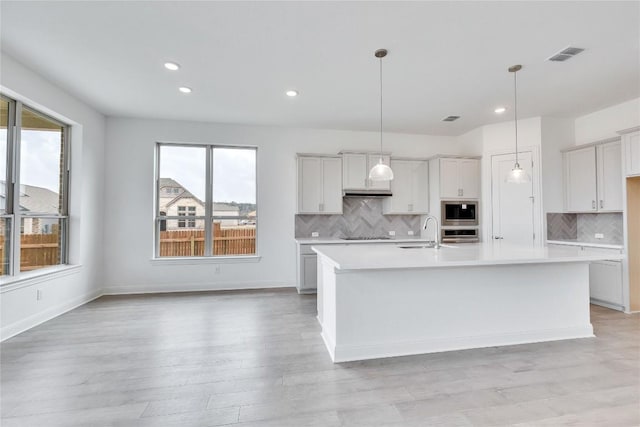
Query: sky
[234, 172]
[39, 158]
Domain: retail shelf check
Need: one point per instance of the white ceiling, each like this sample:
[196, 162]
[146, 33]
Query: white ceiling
[445, 58]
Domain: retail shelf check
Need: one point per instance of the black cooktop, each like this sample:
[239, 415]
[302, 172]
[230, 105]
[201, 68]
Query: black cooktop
[367, 238]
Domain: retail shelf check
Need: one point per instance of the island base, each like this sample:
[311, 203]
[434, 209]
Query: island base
[367, 314]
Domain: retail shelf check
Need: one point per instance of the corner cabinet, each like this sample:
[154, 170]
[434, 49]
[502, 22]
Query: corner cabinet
[410, 188]
[631, 146]
[593, 178]
[319, 185]
[355, 171]
[459, 178]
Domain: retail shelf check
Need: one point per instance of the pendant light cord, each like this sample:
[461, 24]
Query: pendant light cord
[515, 110]
[380, 109]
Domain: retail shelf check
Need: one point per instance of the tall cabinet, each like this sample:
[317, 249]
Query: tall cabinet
[355, 171]
[319, 184]
[593, 178]
[409, 188]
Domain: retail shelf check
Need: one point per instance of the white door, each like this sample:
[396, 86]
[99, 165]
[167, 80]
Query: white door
[355, 172]
[609, 177]
[632, 153]
[580, 175]
[420, 187]
[332, 186]
[512, 204]
[400, 187]
[449, 179]
[309, 185]
[469, 178]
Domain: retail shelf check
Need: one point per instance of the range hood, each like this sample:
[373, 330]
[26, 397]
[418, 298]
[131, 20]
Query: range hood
[366, 193]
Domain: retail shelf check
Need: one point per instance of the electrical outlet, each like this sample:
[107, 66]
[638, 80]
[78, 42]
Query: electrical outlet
[38, 295]
[315, 234]
[599, 236]
[392, 233]
[410, 233]
[217, 269]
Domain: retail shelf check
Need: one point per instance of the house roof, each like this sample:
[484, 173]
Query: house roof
[35, 199]
[185, 194]
[225, 207]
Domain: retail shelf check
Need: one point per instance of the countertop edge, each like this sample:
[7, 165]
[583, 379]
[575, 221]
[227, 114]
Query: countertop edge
[589, 245]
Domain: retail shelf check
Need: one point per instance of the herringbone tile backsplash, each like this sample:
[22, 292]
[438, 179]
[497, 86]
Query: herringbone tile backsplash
[583, 227]
[361, 216]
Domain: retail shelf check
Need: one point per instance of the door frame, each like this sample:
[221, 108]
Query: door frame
[538, 216]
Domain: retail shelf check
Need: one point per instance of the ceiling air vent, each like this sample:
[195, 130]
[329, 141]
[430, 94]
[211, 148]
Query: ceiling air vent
[565, 54]
[450, 118]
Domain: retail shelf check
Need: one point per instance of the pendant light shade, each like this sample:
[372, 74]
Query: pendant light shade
[381, 172]
[517, 174]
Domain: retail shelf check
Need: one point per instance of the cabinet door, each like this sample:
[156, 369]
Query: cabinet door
[309, 185]
[354, 171]
[609, 177]
[309, 275]
[449, 182]
[420, 187]
[332, 186]
[580, 175]
[469, 178]
[401, 200]
[632, 153]
[605, 281]
[373, 160]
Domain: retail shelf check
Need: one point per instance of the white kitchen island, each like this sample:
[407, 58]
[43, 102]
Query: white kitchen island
[381, 301]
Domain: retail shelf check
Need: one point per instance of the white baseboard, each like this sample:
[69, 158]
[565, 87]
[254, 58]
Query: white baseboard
[192, 287]
[349, 353]
[8, 331]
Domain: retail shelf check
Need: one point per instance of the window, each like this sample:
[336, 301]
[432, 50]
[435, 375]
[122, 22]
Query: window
[214, 212]
[33, 209]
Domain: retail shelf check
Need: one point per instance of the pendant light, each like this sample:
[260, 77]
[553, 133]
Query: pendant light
[381, 172]
[517, 174]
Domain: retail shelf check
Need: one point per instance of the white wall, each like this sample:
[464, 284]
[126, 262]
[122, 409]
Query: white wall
[20, 309]
[605, 123]
[130, 172]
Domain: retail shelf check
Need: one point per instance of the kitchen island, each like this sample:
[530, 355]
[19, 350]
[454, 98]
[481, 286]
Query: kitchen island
[381, 301]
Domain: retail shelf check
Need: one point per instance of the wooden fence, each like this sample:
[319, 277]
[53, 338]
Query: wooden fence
[41, 250]
[227, 241]
[36, 251]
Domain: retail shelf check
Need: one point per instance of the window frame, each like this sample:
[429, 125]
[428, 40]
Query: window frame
[208, 216]
[12, 188]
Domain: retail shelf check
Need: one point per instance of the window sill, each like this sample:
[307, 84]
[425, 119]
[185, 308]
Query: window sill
[11, 283]
[206, 260]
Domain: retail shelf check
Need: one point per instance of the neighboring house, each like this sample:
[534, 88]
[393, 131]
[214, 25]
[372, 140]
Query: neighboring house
[37, 200]
[175, 200]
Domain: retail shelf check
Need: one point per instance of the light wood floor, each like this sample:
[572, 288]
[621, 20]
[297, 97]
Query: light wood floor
[256, 358]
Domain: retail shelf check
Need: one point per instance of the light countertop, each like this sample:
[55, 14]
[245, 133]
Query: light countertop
[574, 242]
[385, 257]
[337, 240]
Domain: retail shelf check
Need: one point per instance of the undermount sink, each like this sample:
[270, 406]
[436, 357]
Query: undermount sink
[427, 246]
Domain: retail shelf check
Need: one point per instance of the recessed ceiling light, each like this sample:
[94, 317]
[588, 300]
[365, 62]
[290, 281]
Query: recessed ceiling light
[292, 93]
[173, 66]
[185, 89]
[500, 110]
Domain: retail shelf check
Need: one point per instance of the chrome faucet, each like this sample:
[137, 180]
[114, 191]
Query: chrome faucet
[436, 230]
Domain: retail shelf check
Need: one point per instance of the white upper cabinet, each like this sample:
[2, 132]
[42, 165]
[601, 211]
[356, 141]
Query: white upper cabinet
[459, 178]
[580, 175]
[410, 188]
[593, 178]
[631, 143]
[319, 185]
[355, 171]
[609, 172]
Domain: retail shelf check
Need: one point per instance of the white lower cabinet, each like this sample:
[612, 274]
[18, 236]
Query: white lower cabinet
[605, 283]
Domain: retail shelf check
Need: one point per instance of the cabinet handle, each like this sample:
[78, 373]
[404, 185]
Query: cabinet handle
[601, 204]
[593, 204]
[498, 237]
